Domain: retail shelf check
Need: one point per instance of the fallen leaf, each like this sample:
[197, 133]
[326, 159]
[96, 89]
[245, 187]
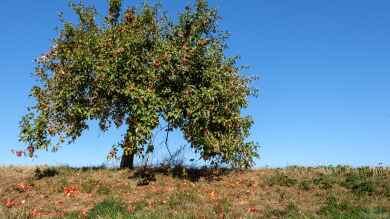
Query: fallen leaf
[84, 212]
[9, 203]
[252, 210]
[38, 213]
[23, 187]
[213, 195]
[151, 204]
[70, 191]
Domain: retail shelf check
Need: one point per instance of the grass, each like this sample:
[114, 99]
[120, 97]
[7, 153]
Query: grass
[179, 192]
[335, 209]
[109, 208]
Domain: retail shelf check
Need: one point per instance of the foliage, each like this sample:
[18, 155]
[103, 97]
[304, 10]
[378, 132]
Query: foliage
[305, 185]
[359, 185]
[89, 185]
[336, 209]
[281, 179]
[103, 190]
[136, 69]
[48, 172]
[325, 181]
[145, 177]
[290, 212]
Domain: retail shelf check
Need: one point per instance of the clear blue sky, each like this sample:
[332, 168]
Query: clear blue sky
[324, 69]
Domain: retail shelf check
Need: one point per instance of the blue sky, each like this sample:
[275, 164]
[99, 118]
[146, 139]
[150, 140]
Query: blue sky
[324, 69]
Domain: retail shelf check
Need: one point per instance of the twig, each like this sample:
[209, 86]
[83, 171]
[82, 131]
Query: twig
[166, 142]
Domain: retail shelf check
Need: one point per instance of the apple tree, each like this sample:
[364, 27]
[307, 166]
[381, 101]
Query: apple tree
[137, 67]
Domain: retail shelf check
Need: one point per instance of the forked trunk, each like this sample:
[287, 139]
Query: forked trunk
[127, 161]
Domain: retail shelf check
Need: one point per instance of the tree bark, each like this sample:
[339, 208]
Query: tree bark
[127, 161]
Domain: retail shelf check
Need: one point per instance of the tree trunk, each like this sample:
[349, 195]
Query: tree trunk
[127, 161]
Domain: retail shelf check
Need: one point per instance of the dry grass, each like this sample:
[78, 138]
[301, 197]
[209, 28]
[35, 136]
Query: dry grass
[294, 192]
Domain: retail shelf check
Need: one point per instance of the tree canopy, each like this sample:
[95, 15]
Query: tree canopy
[137, 67]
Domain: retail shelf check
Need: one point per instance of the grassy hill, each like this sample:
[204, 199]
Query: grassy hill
[293, 192]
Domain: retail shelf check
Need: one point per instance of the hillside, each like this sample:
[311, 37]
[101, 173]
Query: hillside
[294, 192]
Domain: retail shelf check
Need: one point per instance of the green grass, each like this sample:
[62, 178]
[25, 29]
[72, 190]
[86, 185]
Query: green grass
[281, 179]
[293, 192]
[335, 209]
[109, 208]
